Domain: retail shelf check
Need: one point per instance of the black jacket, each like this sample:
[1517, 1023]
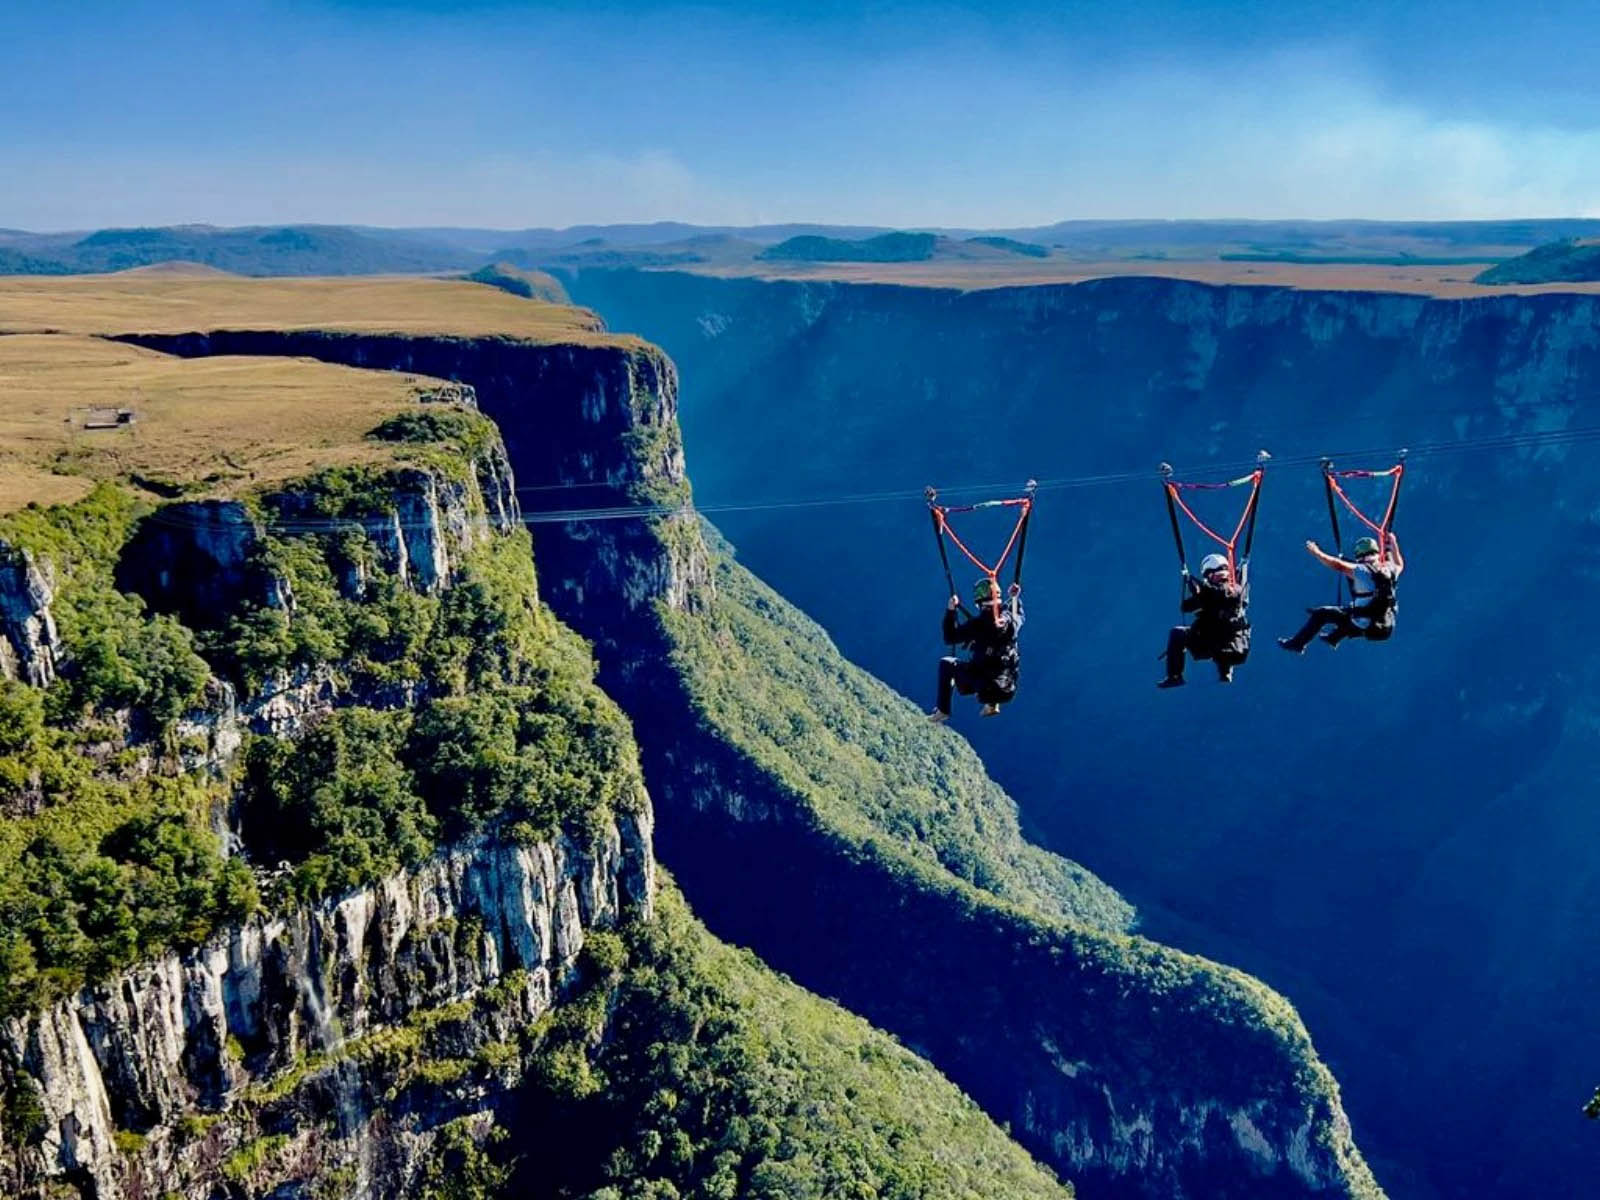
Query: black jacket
[992, 647]
[1221, 627]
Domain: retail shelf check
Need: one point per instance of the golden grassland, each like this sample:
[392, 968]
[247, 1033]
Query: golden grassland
[213, 425]
[1453, 281]
[221, 423]
[184, 301]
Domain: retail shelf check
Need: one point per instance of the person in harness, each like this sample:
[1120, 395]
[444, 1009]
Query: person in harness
[1220, 631]
[1371, 611]
[991, 666]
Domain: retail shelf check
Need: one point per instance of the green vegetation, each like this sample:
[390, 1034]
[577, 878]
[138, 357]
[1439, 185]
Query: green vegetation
[1570, 260]
[245, 1163]
[521, 281]
[717, 1078]
[496, 723]
[864, 761]
[463, 1167]
[886, 247]
[22, 1114]
[512, 731]
[923, 851]
[102, 862]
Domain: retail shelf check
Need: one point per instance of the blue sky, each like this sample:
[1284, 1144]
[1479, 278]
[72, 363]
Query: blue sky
[512, 115]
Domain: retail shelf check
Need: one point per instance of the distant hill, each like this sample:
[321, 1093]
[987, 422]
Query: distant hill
[255, 250]
[533, 285]
[20, 262]
[596, 252]
[1031, 249]
[363, 250]
[886, 247]
[1570, 260]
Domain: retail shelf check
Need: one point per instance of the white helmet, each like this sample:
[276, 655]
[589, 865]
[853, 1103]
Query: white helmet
[1213, 562]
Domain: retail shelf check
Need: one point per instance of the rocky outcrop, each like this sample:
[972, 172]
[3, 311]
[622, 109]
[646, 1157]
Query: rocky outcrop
[1184, 1088]
[30, 646]
[204, 1032]
[594, 426]
[1486, 726]
[198, 559]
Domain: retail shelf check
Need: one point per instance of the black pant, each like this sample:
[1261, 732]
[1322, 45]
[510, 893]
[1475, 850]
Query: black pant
[1182, 638]
[1340, 625]
[955, 676]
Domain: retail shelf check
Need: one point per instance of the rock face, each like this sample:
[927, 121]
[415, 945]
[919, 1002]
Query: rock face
[320, 1050]
[196, 559]
[595, 426]
[30, 645]
[194, 1033]
[1067, 1054]
[1403, 919]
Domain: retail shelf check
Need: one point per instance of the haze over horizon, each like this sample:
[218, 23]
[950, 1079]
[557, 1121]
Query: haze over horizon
[510, 115]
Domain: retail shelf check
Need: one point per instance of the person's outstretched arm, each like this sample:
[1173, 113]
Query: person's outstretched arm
[1329, 561]
[1016, 607]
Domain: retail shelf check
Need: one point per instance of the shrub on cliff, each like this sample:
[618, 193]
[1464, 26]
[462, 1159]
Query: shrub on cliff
[83, 894]
[714, 1077]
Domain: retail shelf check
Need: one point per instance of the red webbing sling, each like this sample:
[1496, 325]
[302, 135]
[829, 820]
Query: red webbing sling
[1246, 527]
[1018, 541]
[1380, 529]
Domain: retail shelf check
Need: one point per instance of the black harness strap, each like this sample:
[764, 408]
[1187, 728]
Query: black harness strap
[1022, 534]
[1177, 530]
[944, 556]
[1333, 517]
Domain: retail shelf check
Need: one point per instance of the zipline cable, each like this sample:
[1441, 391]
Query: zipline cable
[632, 512]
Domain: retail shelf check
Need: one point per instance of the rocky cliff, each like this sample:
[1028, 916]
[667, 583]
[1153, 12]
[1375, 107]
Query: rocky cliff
[306, 1046]
[1397, 914]
[325, 869]
[1147, 1071]
[371, 1020]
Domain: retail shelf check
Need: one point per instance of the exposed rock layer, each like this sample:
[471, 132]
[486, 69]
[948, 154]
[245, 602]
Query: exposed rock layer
[1081, 1066]
[191, 1033]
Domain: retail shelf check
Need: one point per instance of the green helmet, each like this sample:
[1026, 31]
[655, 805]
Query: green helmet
[985, 591]
[1364, 546]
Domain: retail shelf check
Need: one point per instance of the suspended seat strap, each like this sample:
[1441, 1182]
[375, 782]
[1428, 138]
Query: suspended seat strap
[1018, 541]
[1381, 529]
[1245, 529]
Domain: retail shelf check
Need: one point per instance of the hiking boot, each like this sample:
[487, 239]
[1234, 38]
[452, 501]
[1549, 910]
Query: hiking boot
[1288, 644]
[938, 718]
[989, 710]
[1171, 681]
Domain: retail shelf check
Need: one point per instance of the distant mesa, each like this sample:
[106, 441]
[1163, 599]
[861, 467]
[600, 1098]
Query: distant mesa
[520, 281]
[898, 248]
[1011, 246]
[886, 247]
[1570, 260]
[597, 253]
[253, 250]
